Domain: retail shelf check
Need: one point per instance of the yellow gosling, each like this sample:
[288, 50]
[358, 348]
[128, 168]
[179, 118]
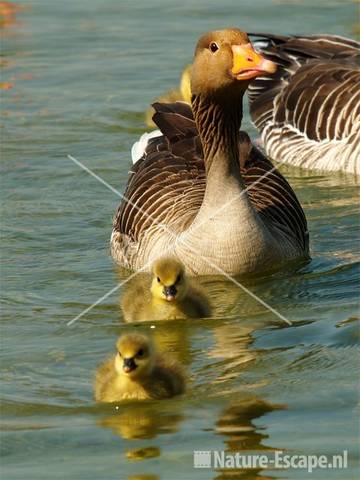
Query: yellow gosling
[136, 372]
[168, 295]
[182, 93]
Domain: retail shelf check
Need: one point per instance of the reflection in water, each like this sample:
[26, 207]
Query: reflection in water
[8, 11]
[142, 453]
[139, 421]
[173, 340]
[232, 340]
[143, 420]
[144, 477]
[232, 345]
[236, 424]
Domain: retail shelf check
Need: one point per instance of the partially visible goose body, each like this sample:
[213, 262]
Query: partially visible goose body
[308, 112]
[201, 191]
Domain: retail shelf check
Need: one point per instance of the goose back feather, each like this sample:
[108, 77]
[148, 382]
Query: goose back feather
[309, 111]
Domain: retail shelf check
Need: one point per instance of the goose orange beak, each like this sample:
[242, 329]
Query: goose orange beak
[248, 64]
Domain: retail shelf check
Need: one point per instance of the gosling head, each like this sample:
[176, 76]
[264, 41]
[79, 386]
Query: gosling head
[135, 355]
[225, 62]
[169, 282]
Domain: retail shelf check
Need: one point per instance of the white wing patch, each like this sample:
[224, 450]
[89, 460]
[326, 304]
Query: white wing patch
[139, 147]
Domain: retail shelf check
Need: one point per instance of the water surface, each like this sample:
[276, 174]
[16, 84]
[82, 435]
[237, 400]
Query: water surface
[83, 73]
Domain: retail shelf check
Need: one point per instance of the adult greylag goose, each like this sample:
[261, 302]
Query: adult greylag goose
[309, 111]
[201, 191]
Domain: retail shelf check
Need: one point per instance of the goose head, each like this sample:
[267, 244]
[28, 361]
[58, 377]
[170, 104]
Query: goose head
[225, 62]
[135, 356]
[169, 282]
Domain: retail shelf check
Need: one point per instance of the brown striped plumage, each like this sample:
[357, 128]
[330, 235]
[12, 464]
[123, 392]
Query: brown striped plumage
[169, 183]
[309, 111]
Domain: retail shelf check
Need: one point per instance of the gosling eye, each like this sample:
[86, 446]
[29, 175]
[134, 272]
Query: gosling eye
[140, 353]
[214, 47]
[178, 278]
[119, 354]
[158, 279]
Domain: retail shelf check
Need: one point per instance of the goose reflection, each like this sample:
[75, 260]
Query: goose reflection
[232, 334]
[236, 424]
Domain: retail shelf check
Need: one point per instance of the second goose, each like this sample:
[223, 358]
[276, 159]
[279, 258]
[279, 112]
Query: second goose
[201, 191]
[309, 111]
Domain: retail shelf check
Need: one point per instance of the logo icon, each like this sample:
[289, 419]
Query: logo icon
[202, 459]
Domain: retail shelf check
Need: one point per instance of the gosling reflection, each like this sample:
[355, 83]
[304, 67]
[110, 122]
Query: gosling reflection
[236, 424]
[143, 453]
[143, 421]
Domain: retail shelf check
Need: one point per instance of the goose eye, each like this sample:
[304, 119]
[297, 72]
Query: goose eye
[214, 47]
[158, 279]
[140, 352]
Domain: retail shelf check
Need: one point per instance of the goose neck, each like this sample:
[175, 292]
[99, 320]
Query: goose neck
[218, 120]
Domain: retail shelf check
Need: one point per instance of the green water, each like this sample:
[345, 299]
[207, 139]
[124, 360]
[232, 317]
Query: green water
[83, 73]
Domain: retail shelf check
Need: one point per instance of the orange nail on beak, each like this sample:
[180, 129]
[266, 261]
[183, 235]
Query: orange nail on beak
[249, 64]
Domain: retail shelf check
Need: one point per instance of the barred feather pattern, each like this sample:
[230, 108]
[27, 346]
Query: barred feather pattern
[166, 188]
[308, 112]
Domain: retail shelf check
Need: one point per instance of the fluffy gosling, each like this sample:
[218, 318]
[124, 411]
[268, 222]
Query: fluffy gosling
[136, 372]
[169, 295]
[182, 93]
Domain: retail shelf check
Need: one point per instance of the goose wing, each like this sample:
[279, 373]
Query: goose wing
[166, 185]
[168, 182]
[273, 198]
[315, 89]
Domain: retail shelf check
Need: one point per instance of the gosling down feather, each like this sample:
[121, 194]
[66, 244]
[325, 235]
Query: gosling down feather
[167, 294]
[182, 93]
[201, 191]
[308, 112]
[137, 372]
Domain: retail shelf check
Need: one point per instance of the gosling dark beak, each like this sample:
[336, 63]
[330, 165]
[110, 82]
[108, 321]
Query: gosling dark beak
[129, 365]
[170, 293]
